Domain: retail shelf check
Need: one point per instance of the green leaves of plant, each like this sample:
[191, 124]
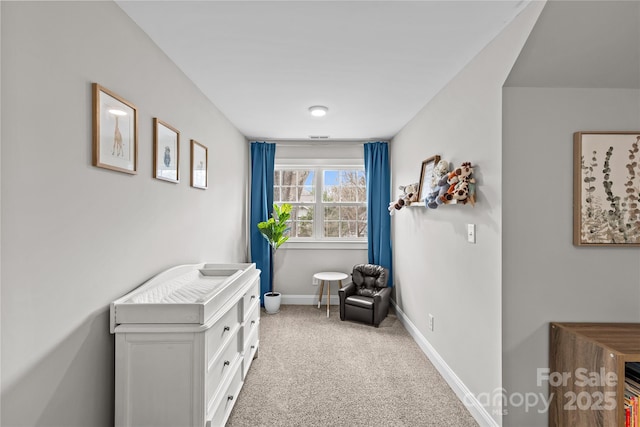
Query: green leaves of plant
[275, 229]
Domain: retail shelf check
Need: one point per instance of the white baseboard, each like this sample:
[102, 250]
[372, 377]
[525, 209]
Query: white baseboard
[476, 409]
[308, 300]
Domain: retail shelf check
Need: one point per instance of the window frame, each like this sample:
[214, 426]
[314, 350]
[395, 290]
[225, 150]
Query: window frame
[319, 166]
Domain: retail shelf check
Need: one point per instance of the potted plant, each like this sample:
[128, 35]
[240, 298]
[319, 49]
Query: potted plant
[275, 230]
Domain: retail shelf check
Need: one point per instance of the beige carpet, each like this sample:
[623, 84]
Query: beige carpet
[314, 371]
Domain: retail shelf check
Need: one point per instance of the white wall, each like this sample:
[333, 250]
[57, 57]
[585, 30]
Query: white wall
[295, 266]
[545, 277]
[75, 237]
[436, 270]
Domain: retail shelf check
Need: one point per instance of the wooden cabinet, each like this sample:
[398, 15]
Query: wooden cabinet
[587, 371]
[184, 343]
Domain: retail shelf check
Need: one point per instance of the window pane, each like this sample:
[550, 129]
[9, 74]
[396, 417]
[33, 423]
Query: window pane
[348, 229]
[305, 229]
[307, 194]
[296, 185]
[362, 213]
[302, 212]
[302, 221]
[332, 229]
[332, 213]
[348, 186]
[330, 186]
[361, 194]
[348, 212]
[289, 194]
[343, 186]
[347, 222]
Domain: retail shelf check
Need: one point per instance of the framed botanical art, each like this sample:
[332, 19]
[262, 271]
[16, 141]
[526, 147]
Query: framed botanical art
[115, 132]
[426, 172]
[606, 189]
[199, 165]
[166, 152]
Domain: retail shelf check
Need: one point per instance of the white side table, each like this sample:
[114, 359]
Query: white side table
[328, 276]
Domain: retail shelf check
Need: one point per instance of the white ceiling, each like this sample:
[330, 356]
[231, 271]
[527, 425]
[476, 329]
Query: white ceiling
[374, 64]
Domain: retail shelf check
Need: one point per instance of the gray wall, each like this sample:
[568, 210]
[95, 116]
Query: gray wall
[436, 270]
[75, 237]
[545, 278]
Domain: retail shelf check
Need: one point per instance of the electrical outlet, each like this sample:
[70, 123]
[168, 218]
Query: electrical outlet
[471, 233]
[431, 322]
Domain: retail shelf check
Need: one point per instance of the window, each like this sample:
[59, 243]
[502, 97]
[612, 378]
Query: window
[328, 203]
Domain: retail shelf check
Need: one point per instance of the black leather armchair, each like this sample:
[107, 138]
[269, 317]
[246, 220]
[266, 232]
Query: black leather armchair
[366, 298]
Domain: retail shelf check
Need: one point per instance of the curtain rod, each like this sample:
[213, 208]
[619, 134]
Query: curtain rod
[343, 143]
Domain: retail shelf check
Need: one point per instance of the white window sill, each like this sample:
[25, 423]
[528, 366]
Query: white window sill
[327, 244]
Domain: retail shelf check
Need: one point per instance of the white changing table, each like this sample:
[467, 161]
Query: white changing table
[184, 342]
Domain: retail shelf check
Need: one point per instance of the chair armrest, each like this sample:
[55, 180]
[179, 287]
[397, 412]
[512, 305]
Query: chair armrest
[347, 291]
[382, 295]
[381, 302]
[344, 293]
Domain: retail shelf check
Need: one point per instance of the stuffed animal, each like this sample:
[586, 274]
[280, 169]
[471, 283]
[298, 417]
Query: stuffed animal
[461, 185]
[465, 188]
[408, 196]
[450, 181]
[410, 191]
[439, 185]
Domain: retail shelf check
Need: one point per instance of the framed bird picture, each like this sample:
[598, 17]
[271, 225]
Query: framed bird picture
[166, 152]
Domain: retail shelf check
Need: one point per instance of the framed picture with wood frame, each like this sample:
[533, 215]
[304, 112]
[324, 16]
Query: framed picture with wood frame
[606, 189]
[166, 152]
[426, 172]
[115, 131]
[199, 165]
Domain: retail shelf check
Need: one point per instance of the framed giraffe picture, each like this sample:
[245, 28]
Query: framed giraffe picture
[115, 132]
[166, 152]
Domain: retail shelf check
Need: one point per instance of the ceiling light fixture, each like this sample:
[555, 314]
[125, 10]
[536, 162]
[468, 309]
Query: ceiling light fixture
[318, 110]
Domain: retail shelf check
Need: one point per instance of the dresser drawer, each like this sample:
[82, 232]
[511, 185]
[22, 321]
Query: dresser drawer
[221, 332]
[250, 298]
[250, 325]
[227, 401]
[221, 367]
[250, 352]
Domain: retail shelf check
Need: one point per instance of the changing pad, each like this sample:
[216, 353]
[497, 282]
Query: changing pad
[184, 294]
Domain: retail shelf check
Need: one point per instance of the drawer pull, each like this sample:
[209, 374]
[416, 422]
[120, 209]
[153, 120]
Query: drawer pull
[230, 398]
[226, 328]
[253, 346]
[253, 297]
[226, 363]
[253, 322]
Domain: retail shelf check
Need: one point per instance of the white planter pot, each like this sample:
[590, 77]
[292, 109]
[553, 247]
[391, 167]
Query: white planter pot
[272, 302]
